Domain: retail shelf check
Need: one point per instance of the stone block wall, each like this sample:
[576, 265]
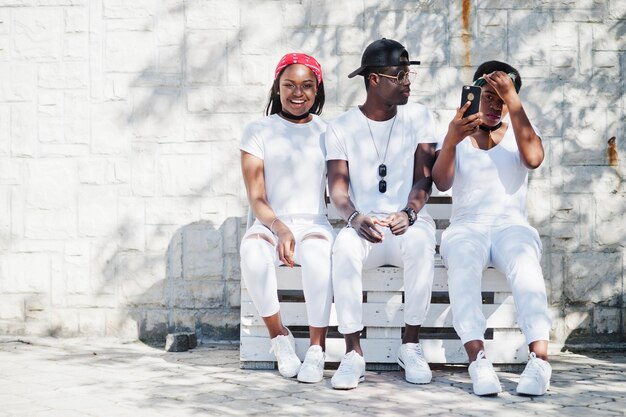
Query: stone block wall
[121, 199]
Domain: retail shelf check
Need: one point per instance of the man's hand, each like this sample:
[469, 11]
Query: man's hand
[398, 222]
[368, 228]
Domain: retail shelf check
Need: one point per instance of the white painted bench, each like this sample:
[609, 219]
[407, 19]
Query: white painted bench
[384, 317]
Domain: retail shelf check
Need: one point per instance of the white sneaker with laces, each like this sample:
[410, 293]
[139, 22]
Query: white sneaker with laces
[535, 380]
[351, 371]
[284, 348]
[416, 369]
[484, 378]
[312, 369]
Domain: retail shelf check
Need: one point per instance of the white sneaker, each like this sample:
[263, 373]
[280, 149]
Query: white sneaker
[312, 369]
[284, 348]
[416, 369]
[484, 378]
[351, 371]
[535, 380]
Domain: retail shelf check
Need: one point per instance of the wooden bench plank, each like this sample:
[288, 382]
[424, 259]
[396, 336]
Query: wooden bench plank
[440, 211]
[510, 348]
[389, 314]
[391, 279]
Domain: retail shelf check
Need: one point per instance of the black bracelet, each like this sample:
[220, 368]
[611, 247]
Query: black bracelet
[352, 216]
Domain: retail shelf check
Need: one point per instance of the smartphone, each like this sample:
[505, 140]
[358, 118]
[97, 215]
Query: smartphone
[470, 93]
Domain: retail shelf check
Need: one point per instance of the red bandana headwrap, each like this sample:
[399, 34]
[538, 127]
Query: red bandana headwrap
[303, 59]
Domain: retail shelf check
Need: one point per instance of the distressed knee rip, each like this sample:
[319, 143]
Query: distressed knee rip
[261, 236]
[315, 235]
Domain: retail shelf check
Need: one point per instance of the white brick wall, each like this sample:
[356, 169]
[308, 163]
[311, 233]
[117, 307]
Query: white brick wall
[121, 200]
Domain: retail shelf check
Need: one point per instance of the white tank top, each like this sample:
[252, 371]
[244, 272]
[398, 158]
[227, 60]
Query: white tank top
[490, 186]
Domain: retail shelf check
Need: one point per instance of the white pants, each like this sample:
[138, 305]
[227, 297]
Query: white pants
[515, 250]
[259, 260]
[414, 251]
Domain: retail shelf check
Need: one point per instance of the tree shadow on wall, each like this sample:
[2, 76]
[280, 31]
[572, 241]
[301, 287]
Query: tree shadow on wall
[193, 287]
[183, 112]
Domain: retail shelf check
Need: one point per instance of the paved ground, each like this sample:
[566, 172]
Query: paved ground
[101, 377]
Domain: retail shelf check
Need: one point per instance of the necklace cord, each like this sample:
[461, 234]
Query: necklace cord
[490, 129]
[388, 139]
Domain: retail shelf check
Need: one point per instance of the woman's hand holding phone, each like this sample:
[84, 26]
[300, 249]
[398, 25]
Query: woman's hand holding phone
[470, 93]
[460, 127]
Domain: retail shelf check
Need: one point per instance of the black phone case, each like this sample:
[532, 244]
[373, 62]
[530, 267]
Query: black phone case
[470, 93]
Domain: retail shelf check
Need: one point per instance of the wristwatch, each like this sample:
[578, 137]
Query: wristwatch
[411, 213]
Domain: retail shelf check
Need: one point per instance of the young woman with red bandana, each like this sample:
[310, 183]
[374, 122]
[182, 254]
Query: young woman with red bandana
[283, 165]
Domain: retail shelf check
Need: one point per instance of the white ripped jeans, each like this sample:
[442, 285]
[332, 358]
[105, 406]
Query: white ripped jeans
[259, 260]
[515, 250]
[414, 251]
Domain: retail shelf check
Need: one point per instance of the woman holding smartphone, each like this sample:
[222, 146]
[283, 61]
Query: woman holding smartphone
[488, 159]
[284, 170]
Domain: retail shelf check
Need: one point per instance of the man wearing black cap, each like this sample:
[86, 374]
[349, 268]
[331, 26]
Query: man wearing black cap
[379, 158]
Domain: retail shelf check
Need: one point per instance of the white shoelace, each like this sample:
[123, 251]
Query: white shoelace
[533, 369]
[312, 360]
[346, 367]
[283, 348]
[484, 370]
[415, 354]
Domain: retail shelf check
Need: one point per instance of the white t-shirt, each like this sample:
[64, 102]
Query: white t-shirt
[294, 164]
[490, 186]
[348, 138]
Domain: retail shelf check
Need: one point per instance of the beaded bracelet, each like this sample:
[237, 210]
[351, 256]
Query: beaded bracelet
[352, 216]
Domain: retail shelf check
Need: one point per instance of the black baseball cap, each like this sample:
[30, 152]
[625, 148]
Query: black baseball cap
[383, 53]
